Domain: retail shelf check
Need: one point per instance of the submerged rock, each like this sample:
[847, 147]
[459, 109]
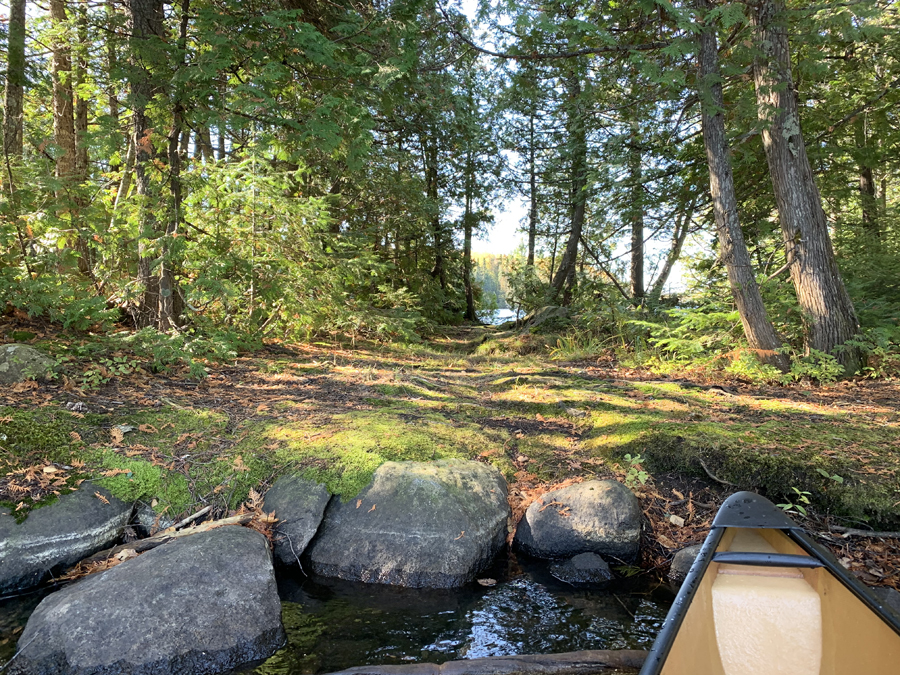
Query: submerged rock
[681, 563]
[299, 505]
[59, 535]
[418, 524]
[584, 568]
[203, 604]
[598, 516]
[593, 662]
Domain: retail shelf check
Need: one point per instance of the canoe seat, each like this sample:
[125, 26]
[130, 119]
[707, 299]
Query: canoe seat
[768, 620]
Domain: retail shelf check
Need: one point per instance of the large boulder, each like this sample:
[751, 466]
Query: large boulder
[59, 535]
[545, 315]
[21, 362]
[597, 516]
[203, 604]
[417, 524]
[299, 505]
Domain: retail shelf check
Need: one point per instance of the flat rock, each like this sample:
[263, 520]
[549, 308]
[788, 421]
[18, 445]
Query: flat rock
[203, 604]
[681, 563]
[59, 535]
[417, 524]
[586, 662]
[584, 568]
[21, 362]
[598, 516]
[299, 505]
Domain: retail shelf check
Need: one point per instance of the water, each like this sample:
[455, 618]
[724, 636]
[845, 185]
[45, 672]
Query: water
[497, 316]
[332, 625]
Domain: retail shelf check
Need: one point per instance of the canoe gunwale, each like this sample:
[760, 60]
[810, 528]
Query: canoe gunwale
[766, 559]
[749, 510]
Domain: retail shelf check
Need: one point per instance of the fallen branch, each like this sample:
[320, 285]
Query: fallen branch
[712, 475]
[142, 545]
[189, 519]
[851, 532]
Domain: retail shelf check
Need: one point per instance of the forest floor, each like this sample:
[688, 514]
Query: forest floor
[335, 414]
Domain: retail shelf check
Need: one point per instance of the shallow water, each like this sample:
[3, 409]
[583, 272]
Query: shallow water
[332, 625]
[497, 316]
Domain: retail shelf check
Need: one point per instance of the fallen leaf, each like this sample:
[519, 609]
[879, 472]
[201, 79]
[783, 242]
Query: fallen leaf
[665, 541]
[358, 503]
[75, 436]
[20, 506]
[677, 521]
[117, 435]
[678, 494]
[126, 554]
[147, 428]
[101, 498]
[51, 469]
[115, 472]
[372, 509]
[461, 535]
[239, 465]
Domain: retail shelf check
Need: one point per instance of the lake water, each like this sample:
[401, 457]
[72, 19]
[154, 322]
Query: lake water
[497, 316]
[332, 625]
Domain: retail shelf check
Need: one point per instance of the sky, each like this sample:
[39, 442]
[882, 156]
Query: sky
[506, 232]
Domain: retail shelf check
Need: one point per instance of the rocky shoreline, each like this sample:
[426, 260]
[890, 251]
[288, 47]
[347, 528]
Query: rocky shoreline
[208, 603]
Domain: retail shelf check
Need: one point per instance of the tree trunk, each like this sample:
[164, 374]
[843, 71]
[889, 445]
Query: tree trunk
[827, 309]
[682, 227]
[565, 274]
[467, 255]
[758, 329]
[168, 311]
[15, 82]
[867, 199]
[532, 175]
[145, 19]
[431, 191]
[636, 215]
[81, 103]
[63, 110]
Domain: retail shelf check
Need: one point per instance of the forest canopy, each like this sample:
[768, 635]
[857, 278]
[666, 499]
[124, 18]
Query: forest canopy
[288, 169]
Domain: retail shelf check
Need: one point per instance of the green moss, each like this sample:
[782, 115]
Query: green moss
[29, 432]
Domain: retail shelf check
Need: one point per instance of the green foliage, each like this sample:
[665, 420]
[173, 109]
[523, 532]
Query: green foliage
[635, 475]
[798, 502]
[819, 366]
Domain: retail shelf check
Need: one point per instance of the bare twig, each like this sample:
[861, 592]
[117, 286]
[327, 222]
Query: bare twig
[189, 519]
[712, 475]
[852, 532]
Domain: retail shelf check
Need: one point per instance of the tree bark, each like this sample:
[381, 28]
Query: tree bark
[867, 198]
[565, 274]
[467, 245]
[532, 176]
[15, 82]
[682, 226]
[63, 110]
[438, 271]
[758, 329]
[168, 309]
[827, 308]
[636, 215]
[145, 23]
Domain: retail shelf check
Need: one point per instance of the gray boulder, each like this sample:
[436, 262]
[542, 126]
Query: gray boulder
[584, 568]
[299, 505]
[21, 362]
[545, 314]
[59, 535]
[417, 524]
[681, 563]
[148, 522]
[203, 604]
[597, 516]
